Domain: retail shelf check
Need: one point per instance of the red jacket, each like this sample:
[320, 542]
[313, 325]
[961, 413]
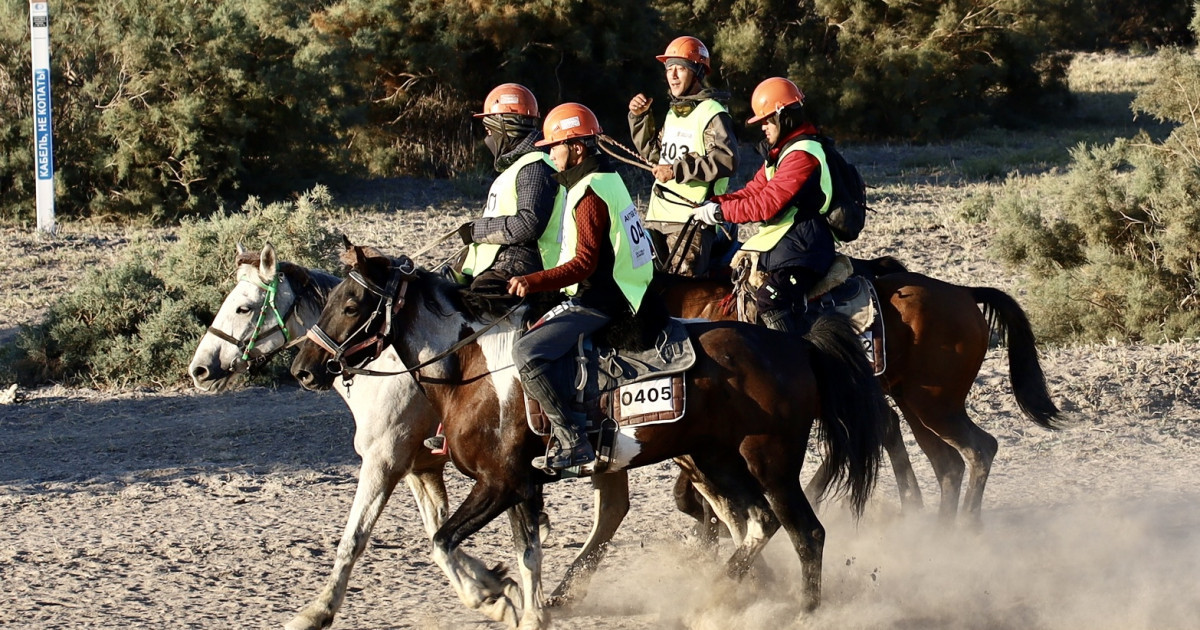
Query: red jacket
[761, 200]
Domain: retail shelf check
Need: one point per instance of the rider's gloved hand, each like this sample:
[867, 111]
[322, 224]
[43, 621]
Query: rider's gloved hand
[709, 213]
[466, 232]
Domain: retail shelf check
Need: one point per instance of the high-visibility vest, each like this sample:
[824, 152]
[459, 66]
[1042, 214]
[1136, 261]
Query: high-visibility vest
[682, 135]
[772, 231]
[633, 255]
[501, 202]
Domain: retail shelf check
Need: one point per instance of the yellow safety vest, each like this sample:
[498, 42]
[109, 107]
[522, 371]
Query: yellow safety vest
[680, 136]
[633, 256]
[501, 202]
[772, 231]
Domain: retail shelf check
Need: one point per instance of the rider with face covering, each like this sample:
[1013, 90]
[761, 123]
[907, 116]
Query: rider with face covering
[790, 194]
[597, 254]
[503, 243]
[695, 154]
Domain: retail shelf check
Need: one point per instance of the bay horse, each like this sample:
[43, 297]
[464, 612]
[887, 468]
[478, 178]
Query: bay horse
[391, 422]
[936, 338]
[753, 396]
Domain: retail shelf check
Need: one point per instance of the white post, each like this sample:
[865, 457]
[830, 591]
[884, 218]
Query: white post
[43, 138]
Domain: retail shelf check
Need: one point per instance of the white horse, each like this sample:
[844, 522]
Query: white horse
[274, 304]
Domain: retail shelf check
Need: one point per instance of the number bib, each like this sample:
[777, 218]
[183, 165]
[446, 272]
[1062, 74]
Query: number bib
[649, 402]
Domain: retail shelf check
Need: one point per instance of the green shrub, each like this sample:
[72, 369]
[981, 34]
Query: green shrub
[162, 109]
[138, 322]
[875, 69]
[1113, 247]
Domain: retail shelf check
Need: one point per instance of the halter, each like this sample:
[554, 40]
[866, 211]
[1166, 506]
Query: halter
[251, 355]
[390, 302]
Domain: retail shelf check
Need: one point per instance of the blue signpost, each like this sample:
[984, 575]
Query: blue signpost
[43, 136]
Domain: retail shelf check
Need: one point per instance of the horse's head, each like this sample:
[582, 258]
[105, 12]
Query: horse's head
[358, 317]
[250, 325]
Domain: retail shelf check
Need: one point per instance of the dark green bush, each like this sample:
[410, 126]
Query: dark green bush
[877, 69]
[1113, 248]
[161, 109]
[138, 322]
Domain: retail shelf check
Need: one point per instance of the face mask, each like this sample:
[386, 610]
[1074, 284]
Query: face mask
[489, 141]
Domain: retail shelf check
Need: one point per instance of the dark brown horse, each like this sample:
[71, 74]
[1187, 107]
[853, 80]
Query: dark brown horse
[936, 340]
[753, 396]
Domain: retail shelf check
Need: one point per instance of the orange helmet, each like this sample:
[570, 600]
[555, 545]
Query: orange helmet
[687, 47]
[771, 96]
[568, 121]
[510, 98]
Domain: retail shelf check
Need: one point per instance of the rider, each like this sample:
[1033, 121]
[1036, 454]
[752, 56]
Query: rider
[790, 193]
[696, 153]
[596, 251]
[503, 243]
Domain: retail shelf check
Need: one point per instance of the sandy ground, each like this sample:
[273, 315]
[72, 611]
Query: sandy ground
[175, 509]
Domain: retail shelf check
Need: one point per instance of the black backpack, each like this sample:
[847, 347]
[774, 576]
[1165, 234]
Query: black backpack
[848, 208]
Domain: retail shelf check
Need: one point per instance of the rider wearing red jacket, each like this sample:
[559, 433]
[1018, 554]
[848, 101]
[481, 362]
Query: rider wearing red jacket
[789, 194]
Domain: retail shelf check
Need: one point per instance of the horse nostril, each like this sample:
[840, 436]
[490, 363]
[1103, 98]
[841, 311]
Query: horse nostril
[200, 373]
[304, 376]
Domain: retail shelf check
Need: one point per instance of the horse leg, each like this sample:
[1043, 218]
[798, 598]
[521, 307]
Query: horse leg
[947, 464]
[429, 489]
[482, 504]
[610, 506]
[906, 479]
[523, 521]
[979, 448]
[690, 502]
[732, 492]
[779, 477]
[376, 480]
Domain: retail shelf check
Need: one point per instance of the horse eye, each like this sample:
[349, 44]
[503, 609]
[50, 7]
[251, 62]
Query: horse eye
[242, 310]
[350, 309]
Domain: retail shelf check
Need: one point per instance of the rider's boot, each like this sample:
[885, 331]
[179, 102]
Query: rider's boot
[569, 445]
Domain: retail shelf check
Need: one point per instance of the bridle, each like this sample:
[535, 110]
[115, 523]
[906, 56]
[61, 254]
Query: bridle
[250, 355]
[391, 300]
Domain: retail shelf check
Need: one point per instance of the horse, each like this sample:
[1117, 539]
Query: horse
[390, 423]
[753, 396]
[935, 342]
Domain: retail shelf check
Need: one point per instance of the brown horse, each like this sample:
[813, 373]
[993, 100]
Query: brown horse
[753, 396]
[936, 338]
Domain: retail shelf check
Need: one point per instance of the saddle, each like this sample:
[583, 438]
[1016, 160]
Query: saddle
[840, 291]
[616, 388]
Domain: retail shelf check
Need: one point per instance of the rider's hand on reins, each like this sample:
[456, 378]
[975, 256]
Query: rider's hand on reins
[518, 286]
[664, 172]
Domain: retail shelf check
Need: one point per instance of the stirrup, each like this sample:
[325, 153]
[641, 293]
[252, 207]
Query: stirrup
[559, 458]
[437, 443]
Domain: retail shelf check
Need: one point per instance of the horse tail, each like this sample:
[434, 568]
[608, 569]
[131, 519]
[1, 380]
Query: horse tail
[1006, 318]
[854, 413]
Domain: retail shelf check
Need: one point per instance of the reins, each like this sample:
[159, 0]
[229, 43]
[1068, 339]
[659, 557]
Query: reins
[391, 301]
[677, 254]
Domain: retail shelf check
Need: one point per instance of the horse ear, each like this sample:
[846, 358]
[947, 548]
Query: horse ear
[346, 242]
[241, 249]
[351, 257]
[267, 265]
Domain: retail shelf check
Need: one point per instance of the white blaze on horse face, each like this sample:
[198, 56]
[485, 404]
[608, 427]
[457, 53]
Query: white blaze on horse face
[383, 405]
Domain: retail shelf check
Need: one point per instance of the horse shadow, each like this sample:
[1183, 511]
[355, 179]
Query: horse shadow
[75, 440]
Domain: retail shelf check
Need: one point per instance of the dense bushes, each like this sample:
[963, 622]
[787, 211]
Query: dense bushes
[140, 321]
[1112, 248]
[162, 109]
